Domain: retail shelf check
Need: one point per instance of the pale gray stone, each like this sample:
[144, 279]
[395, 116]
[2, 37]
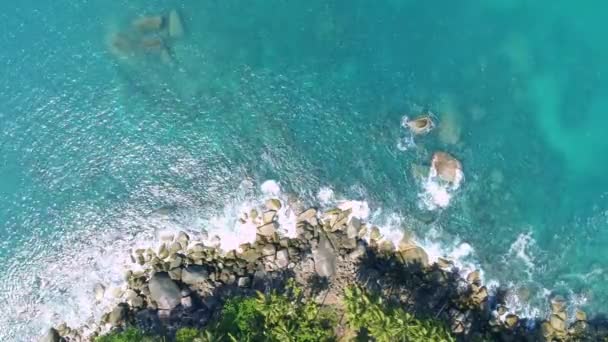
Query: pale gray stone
[194, 274]
[164, 291]
[325, 258]
[282, 259]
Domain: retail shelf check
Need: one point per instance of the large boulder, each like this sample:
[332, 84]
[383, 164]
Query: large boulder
[325, 258]
[413, 255]
[164, 291]
[309, 216]
[119, 314]
[447, 168]
[268, 230]
[194, 274]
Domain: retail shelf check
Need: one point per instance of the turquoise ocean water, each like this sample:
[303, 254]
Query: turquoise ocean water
[312, 95]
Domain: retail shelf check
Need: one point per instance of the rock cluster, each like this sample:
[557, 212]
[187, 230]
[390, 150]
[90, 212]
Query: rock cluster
[182, 282]
[148, 35]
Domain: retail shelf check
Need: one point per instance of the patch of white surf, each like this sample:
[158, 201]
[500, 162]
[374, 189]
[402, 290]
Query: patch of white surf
[521, 250]
[234, 225]
[437, 194]
[325, 195]
[271, 188]
[406, 142]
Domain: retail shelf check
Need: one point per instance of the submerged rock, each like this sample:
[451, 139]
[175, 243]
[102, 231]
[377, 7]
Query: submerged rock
[450, 128]
[176, 28]
[152, 44]
[164, 291]
[148, 23]
[121, 45]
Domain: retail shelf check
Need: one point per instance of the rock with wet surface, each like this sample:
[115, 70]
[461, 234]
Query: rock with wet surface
[164, 291]
[273, 204]
[447, 167]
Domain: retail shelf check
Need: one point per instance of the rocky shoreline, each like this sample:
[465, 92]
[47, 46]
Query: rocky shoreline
[183, 281]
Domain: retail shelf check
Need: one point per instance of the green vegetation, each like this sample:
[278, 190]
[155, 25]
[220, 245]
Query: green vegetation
[276, 317]
[128, 335]
[374, 318]
[291, 317]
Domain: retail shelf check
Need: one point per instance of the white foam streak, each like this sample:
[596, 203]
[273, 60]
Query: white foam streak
[520, 249]
[325, 195]
[437, 194]
[271, 188]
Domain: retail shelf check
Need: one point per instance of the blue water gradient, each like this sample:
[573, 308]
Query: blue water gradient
[311, 94]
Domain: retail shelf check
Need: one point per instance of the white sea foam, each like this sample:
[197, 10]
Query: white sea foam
[360, 209]
[520, 249]
[271, 187]
[407, 142]
[437, 194]
[325, 195]
[434, 195]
